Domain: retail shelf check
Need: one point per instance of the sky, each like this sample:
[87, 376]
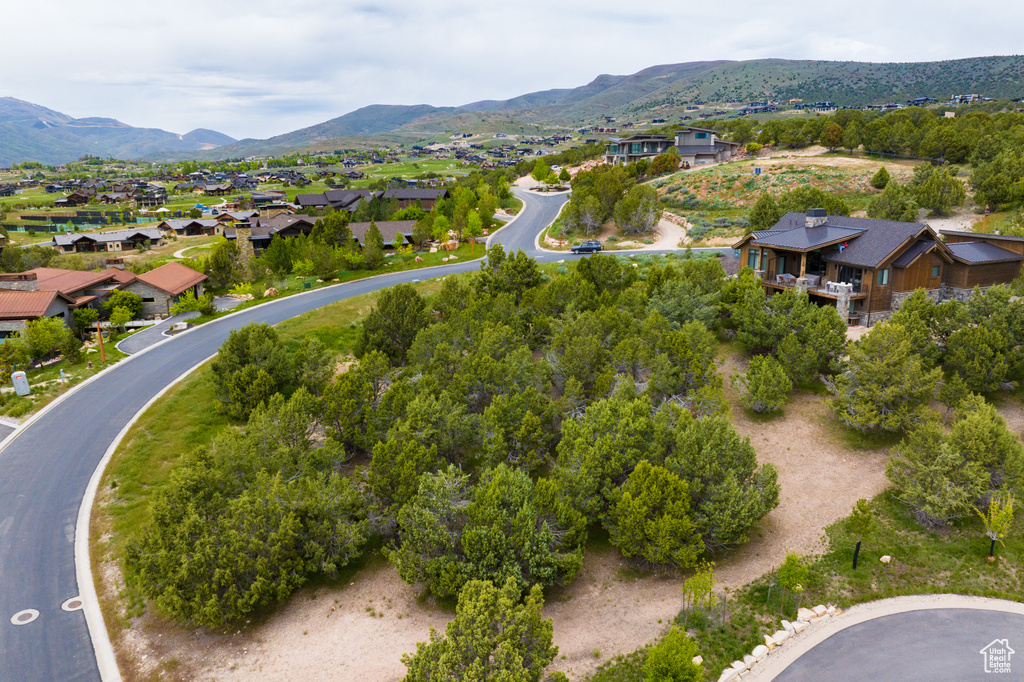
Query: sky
[256, 68]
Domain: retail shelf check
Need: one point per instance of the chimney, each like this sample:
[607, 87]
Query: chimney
[815, 217]
[19, 281]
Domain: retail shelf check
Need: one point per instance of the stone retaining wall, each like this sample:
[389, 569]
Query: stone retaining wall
[806, 618]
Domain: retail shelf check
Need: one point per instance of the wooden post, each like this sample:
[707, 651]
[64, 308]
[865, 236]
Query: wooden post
[803, 264]
[99, 335]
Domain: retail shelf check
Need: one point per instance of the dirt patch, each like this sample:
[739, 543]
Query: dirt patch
[361, 629]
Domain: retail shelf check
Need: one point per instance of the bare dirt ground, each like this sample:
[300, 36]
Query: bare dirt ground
[962, 220]
[360, 631]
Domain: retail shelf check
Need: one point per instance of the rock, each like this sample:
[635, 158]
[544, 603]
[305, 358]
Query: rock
[635, 265]
[739, 666]
[335, 279]
[745, 674]
[697, 660]
[807, 614]
[728, 674]
[787, 626]
[319, 281]
[560, 261]
[269, 293]
[433, 249]
[780, 637]
[453, 257]
[885, 559]
[831, 610]
[418, 259]
[444, 260]
[749, 661]
[800, 626]
[769, 642]
[759, 652]
[819, 610]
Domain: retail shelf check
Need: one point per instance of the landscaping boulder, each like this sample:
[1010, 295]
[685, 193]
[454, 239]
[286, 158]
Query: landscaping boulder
[819, 610]
[697, 660]
[419, 259]
[807, 614]
[270, 293]
[749, 661]
[780, 637]
[800, 626]
[433, 249]
[728, 675]
[759, 652]
[739, 666]
[787, 626]
[769, 642]
[885, 559]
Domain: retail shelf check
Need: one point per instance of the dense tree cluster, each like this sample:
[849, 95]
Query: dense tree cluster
[608, 192]
[493, 425]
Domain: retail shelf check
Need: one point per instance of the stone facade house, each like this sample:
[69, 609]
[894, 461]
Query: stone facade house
[161, 287]
[867, 268]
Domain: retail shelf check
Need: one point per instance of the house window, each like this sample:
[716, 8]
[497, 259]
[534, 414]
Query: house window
[613, 149]
[935, 271]
[752, 259]
[148, 300]
[780, 265]
[883, 277]
[701, 136]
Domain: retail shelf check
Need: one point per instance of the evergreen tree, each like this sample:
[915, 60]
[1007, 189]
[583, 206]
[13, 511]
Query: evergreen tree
[765, 213]
[880, 180]
[649, 518]
[494, 636]
[373, 247]
[933, 479]
[765, 386]
[886, 387]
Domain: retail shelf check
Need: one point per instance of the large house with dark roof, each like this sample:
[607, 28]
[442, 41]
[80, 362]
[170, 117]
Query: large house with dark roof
[867, 268]
[97, 242]
[695, 146]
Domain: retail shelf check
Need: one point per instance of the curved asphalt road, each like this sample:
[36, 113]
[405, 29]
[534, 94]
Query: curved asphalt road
[44, 470]
[934, 645]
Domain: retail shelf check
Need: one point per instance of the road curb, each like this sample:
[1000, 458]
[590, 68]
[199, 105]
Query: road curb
[106, 660]
[782, 658]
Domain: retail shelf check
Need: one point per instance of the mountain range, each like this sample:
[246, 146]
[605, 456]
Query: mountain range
[30, 132]
[661, 91]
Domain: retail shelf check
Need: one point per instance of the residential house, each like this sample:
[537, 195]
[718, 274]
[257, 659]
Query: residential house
[98, 242]
[389, 229]
[190, 227]
[699, 146]
[261, 230]
[426, 198]
[162, 287]
[635, 147]
[867, 268]
[51, 292]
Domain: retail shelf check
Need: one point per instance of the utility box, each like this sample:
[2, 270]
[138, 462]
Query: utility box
[21, 386]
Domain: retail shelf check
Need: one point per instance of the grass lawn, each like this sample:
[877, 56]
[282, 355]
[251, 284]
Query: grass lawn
[46, 384]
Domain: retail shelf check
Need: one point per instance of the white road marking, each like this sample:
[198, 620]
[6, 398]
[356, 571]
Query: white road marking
[24, 617]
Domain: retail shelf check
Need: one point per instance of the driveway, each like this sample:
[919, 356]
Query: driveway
[934, 645]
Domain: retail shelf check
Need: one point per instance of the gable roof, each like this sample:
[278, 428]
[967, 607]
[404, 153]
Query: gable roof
[172, 278]
[918, 249]
[982, 252]
[388, 228]
[21, 305]
[106, 237]
[67, 281]
[807, 238]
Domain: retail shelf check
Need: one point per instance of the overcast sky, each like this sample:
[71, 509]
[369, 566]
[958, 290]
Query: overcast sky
[257, 68]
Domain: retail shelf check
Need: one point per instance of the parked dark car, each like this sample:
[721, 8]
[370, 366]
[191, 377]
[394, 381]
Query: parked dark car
[591, 246]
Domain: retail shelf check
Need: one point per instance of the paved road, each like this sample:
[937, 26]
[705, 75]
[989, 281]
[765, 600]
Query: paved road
[934, 645]
[45, 470]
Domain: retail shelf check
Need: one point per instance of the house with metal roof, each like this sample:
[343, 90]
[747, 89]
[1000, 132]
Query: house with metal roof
[99, 242]
[162, 287]
[866, 267]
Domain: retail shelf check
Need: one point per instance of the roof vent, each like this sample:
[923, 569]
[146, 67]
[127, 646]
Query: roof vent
[816, 217]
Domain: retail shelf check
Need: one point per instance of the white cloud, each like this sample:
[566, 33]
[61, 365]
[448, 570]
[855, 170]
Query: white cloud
[259, 68]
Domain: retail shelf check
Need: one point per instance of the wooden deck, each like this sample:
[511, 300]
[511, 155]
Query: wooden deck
[814, 291]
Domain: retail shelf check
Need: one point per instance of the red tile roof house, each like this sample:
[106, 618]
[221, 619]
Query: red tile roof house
[162, 287]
